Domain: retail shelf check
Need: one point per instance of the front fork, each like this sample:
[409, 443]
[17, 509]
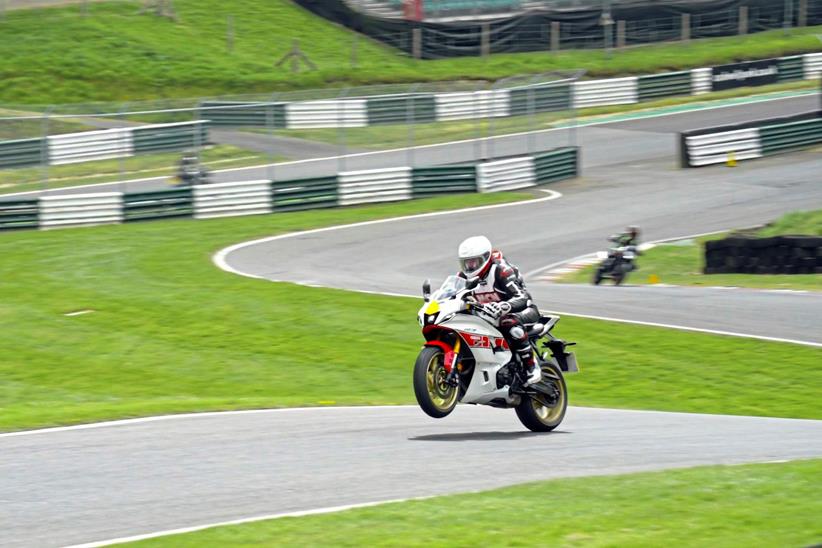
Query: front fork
[451, 364]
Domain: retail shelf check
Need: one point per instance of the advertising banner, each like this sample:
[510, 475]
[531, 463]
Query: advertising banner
[753, 73]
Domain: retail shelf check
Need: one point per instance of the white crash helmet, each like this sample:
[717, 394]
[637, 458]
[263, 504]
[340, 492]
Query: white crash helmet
[475, 256]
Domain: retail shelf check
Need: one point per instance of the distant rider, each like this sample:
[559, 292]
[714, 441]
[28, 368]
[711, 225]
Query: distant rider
[501, 292]
[629, 237]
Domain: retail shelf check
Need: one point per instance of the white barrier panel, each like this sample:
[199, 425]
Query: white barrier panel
[702, 81]
[73, 148]
[81, 209]
[616, 91]
[714, 148]
[509, 174]
[377, 185]
[813, 66]
[332, 113]
[232, 199]
[473, 104]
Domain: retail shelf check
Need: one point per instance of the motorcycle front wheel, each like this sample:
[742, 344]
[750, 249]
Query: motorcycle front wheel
[536, 413]
[435, 396]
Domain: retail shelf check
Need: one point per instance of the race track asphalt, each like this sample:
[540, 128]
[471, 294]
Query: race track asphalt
[77, 486]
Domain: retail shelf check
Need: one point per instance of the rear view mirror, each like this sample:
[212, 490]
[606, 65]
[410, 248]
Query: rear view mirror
[426, 290]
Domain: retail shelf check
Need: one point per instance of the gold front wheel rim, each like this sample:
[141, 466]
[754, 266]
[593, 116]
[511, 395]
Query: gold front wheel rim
[441, 394]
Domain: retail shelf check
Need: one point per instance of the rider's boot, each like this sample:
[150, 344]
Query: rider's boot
[533, 373]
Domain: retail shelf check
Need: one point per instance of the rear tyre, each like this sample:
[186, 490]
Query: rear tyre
[435, 396]
[619, 278]
[535, 413]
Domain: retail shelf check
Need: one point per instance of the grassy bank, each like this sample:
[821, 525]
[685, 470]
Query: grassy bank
[681, 263]
[171, 333]
[756, 505]
[56, 55]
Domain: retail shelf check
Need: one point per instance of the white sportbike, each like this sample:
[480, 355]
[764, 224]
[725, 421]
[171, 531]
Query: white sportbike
[466, 359]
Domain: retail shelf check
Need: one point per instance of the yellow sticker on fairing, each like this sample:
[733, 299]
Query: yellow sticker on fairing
[433, 307]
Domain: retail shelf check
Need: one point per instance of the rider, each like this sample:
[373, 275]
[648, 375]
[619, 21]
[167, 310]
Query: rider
[501, 291]
[629, 237]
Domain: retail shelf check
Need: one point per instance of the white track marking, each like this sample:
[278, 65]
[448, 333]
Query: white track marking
[179, 416]
[636, 116]
[219, 258]
[302, 513]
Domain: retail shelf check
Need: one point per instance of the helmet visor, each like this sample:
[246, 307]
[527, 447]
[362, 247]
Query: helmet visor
[470, 266]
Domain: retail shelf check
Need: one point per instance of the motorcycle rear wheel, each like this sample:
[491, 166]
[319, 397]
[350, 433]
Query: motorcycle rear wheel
[535, 415]
[436, 397]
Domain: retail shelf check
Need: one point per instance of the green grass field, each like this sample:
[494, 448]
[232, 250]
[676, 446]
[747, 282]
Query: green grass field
[759, 505]
[56, 55]
[681, 263]
[169, 332]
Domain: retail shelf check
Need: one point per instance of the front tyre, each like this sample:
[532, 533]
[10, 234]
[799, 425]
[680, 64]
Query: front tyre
[435, 396]
[540, 414]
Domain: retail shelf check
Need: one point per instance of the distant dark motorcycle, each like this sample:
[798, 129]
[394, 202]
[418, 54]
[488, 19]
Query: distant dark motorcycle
[617, 263]
[191, 172]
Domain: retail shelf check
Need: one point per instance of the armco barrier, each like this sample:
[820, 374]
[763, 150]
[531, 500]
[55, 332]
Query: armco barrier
[158, 204]
[557, 165]
[232, 199]
[19, 214]
[509, 174]
[664, 85]
[301, 194]
[615, 91]
[472, 104]
[401, 109]
[331, 113]
[778, 138]
[715, 148]
[377, 185]
[70, 210]
[430, 181]
[790, 68]
[701, 81]
[750, 140]
[165, 137]
[813, 66]
[540, 98]
[239, 114]
[22, 152]
[105, 144]
[257, 197]
[777, 255]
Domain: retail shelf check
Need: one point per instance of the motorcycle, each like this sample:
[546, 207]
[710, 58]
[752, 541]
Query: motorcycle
[191, 174]
[466, 359]
[616, 263]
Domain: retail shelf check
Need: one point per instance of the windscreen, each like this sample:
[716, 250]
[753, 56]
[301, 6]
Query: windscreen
[450, 287]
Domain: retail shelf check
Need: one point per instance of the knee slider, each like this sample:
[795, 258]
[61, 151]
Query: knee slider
[517, 332]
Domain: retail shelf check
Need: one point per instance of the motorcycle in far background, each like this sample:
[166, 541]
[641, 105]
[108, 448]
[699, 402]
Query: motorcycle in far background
[191, 172]
[616, 263]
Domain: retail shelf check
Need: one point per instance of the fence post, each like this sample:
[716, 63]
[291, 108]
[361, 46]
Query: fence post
[270, 123]
[410, 120]
[531, 114]
[485, 40]
[788, 23]
[416, 42]
[44, 151]
[743, 19]
[621, 33]
[555, 36]
[341, 129]
[686, 27]
[121, 161]
[802, 16]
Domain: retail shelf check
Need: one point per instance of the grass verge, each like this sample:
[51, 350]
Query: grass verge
[754, 505]
[169, 332]
[135, 167]
[681, 263]
[57, 55]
